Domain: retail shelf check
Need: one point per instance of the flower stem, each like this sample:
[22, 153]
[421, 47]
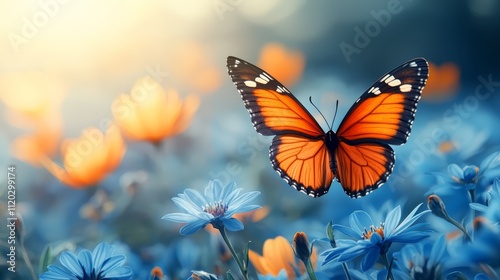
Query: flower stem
[460, 227]
[310, 270]
[388, 266]
[346, 271]
[243, 269]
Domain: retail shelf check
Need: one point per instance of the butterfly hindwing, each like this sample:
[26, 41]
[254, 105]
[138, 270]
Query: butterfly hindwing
[304, 163]
[364, 167]
[273, 109]
[385, 112]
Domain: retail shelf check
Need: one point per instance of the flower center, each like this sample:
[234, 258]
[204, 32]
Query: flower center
[217, 209]
[368, 233]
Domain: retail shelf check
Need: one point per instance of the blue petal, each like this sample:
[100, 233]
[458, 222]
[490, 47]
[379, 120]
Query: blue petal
[213, 190]
[232, 224]
[243, 199]
[70, 261]
[347, 231]
[227, 191]
[111, 263]
[243, 209]
[455, 171]
[120, 273]
[491, 161]
[100, 254]
[186, 205]
[392, 220]
[359, 249]
[370, 258]
[193, 227]
[57, 273]
[196, 199]
[478, 207]
[438, 249]
[409, 237]
[360, 220]
[180, 217]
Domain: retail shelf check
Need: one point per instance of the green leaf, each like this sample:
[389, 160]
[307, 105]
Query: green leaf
[45, 259]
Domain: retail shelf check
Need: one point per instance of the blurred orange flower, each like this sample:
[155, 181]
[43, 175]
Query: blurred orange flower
[40, 143]
[442, 83]
[277, 254]
[32, 95]
[193, 67]
[283, 64]
[152, 113]
[88, 159]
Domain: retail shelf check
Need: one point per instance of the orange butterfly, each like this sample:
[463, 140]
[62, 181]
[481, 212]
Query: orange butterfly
[358, 155]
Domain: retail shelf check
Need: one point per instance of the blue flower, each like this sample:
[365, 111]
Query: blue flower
[471, 178]
[377, 240]
[217, 207]
[101, 264]
[421, 261]
[201, 275]
[491, 210]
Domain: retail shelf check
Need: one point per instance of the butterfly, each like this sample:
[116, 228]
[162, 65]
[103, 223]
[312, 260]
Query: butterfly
[358, 155]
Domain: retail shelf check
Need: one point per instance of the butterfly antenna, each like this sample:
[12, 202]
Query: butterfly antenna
[310, 100]
[334, 115]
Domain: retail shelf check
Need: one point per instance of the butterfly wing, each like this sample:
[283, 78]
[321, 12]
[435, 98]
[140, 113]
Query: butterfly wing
[298, 152]
[382, 115]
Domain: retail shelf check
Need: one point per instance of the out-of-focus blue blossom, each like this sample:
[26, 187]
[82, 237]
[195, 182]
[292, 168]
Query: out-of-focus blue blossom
[281, 276]
[473, 179]
[202, 275]
[217, 207]
[101, 264]
[484, 249]
[421, 261]
[491, 210]
[377, 240]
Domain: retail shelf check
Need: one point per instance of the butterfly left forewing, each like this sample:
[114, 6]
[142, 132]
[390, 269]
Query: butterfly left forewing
[298, 151]
[273, 109]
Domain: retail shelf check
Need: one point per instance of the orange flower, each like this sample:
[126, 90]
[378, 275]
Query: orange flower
[277, 254]
[194, 67]
[284, 65]
[442, 82]
[40, 143]
[88, 159]
[152, 113]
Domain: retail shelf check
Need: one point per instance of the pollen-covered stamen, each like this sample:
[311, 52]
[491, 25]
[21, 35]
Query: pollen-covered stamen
[368, 233]
[217, 209]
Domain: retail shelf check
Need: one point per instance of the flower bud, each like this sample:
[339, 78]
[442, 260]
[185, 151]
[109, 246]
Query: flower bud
[436, 205]
[301, 247]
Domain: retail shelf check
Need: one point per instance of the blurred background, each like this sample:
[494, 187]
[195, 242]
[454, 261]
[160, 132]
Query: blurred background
[70, 70]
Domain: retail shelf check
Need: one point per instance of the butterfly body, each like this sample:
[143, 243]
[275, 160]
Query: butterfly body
[358, 154]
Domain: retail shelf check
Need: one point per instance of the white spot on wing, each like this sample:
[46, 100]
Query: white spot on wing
[376, 91]
[413, 64]
[250, 84]
[260, 80]
[264, 77]
[394, 83]
[385, 77]
[405, 88]
[265, 74]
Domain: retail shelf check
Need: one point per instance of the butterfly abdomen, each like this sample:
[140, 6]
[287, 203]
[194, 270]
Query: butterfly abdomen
[332, 142]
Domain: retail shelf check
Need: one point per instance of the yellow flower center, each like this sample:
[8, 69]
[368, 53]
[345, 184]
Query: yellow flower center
[368, 233]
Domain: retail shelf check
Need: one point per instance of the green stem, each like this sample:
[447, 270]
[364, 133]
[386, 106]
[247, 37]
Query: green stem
[346, 271]
[310, 270]
[460, 227]
[387, 265]
[222, 231]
